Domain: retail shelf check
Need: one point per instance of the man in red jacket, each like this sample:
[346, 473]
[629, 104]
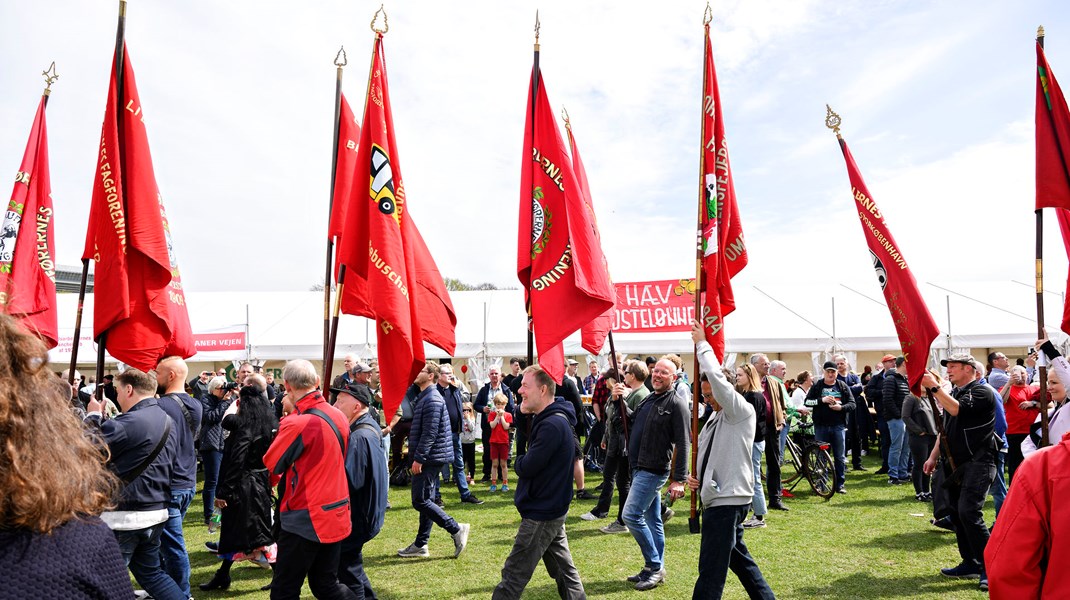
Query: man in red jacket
[1022, 558]
[308, 457]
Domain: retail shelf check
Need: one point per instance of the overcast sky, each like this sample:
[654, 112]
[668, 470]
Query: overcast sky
[937, 99]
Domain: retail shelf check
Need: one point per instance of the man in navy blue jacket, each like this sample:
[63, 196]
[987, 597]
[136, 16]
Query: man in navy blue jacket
[142, 441]
[430, 447]
[543, 492]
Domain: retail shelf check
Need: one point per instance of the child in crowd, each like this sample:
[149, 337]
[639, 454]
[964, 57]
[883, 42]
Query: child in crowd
[470, 432]
[500, 422]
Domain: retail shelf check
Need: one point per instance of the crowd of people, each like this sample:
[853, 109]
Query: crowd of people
[296, 474]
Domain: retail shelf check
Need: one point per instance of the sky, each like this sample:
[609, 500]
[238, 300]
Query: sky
[936, 97]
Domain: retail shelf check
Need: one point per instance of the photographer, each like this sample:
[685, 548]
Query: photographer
[200, 385]
[215, 404]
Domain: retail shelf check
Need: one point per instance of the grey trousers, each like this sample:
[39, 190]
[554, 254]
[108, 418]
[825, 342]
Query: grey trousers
[535, 540]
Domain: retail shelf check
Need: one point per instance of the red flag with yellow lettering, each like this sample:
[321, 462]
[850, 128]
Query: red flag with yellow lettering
[139, 302]
[27, 247]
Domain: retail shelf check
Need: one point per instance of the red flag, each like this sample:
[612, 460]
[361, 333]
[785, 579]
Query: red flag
[1064, 227]
[913, 323]
[724, 251]
[27, 247]
[348, 136]
[139, 301]
[374, 244]
[593, 334]
[438, 321]
[559, 258]
[1053, 139]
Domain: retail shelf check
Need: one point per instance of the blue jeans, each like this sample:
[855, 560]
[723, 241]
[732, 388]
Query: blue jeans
[834, 435]
[998, 491]
[784, 438]
[172, 543]
[898, 450]
[424, 487]
[757, 450]
[458, 469]
[642, 515]
[211, 459]
[141, 551]
[722, 549]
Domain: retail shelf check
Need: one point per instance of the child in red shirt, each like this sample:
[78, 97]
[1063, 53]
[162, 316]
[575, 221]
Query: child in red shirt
[500, 422]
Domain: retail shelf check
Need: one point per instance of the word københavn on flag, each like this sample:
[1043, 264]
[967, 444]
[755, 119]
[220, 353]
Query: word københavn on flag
[139, 300]
[559, 258]
[1053, 145]
[27, 247]
[593, 334]
[914, 324]
[390, 275]
[724, 251]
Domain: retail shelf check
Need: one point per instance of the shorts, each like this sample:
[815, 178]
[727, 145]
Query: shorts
[499, 451]
[579, 447]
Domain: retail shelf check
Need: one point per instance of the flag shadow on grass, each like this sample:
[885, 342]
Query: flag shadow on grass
[921, 540]
[865, 585]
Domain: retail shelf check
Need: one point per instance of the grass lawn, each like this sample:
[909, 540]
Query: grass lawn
[874, 542]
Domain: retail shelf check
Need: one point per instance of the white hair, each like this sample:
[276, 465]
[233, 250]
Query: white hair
[300, 374]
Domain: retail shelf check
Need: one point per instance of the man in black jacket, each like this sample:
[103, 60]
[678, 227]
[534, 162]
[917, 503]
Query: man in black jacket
[874, 395]
[143, 442]
[484, 404]
[451, 393]
[831, 401]
[894, 392]
[366, 472]
[543, 493]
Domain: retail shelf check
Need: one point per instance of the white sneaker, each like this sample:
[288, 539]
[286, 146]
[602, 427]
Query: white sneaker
[460, 539]
[590, 516]
[753, 523]
[614, 527]
[414, 551]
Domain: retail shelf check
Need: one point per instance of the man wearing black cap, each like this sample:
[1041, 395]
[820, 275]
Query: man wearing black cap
[969, 425]
[831, 401]
[366, 472]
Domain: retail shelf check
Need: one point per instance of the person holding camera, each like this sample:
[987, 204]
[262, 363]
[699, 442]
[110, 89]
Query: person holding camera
[214, 408]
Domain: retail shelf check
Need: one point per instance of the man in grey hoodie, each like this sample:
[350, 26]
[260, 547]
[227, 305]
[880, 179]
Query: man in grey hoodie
[725, 481]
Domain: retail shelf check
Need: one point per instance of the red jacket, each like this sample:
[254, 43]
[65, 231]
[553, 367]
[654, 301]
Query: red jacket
[307, 457]
[1028, 554]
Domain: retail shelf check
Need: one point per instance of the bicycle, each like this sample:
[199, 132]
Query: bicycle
[806, 457]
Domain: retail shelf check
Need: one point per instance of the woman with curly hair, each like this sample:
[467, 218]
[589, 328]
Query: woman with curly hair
[53, 484]
[244, 492]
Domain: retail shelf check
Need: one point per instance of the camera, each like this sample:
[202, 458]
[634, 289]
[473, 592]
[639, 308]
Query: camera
[230, 386]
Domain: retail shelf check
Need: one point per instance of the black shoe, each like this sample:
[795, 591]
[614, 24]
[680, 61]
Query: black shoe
[942, 523]
[964, 570]
[881, 471]
[778, 506]
[212, 546]
[649, 580]
[486, 479]
[265, 587]
[857, 468]
[471, 499]
[585, 495]
[218, 582]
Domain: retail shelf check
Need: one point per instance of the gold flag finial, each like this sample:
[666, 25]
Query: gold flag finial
[50, 76]
[340, 59]
[707, 17]
[375, 17]
[564, 116]
[537, 26]
[832, 120]
[1040, 32]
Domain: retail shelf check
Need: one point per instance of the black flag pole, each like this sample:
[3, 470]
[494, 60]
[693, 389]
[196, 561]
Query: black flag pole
[339, 62]
[534, 94]
[1042, 369]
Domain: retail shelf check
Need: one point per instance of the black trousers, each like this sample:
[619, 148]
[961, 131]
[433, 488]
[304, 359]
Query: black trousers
[298, 558]
[398, 437]
[773, 487]
[616, 467]
[352, 575]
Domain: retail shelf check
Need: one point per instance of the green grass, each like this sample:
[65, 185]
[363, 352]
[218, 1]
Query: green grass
[866, 544]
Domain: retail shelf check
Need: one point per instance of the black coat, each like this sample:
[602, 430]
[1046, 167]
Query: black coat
[243, 483]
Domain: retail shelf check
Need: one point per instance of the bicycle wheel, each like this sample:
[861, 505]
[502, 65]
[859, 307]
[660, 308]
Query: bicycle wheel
[820, 471]
[791, 466]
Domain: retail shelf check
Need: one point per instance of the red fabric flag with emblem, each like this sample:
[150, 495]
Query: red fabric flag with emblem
[559, 257]
[376, 245]
[914, 324]
[593, 334]
[345, 171]
[27, 246]
[724, 251]
[139, 301]
[1053, 139]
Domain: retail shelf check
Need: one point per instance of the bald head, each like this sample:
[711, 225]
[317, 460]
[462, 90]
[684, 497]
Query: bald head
[171, 374]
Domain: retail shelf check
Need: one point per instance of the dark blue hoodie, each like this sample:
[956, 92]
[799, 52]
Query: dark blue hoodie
[544, 489]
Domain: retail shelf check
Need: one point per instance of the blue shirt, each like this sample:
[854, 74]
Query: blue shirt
[184, 476]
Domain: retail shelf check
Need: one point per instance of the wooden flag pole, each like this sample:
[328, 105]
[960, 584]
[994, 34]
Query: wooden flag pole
[534, 94]
[339, 62]
[1043, 370]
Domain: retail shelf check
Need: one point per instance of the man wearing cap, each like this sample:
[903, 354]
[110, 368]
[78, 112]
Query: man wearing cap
[830, 401]
[969, 426]
[366, 472]
[875, 397]
[572, 374]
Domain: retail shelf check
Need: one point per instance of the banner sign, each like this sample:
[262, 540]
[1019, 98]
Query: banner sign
[650, 306]
[219, 342]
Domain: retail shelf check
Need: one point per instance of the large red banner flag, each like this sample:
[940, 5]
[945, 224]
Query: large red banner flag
[1053, 139]
[559, 257]
[139, 301]
[348, 137]
[914, 324]
[593, 334]
[27, 245]
[724, 253]
[373, 245]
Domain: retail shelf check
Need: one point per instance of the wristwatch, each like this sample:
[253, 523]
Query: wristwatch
[933, 390]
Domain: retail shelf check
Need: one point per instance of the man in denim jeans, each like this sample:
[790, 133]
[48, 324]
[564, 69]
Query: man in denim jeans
[662, 422]
[831, 401]
[969, 425]
[185, 412]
